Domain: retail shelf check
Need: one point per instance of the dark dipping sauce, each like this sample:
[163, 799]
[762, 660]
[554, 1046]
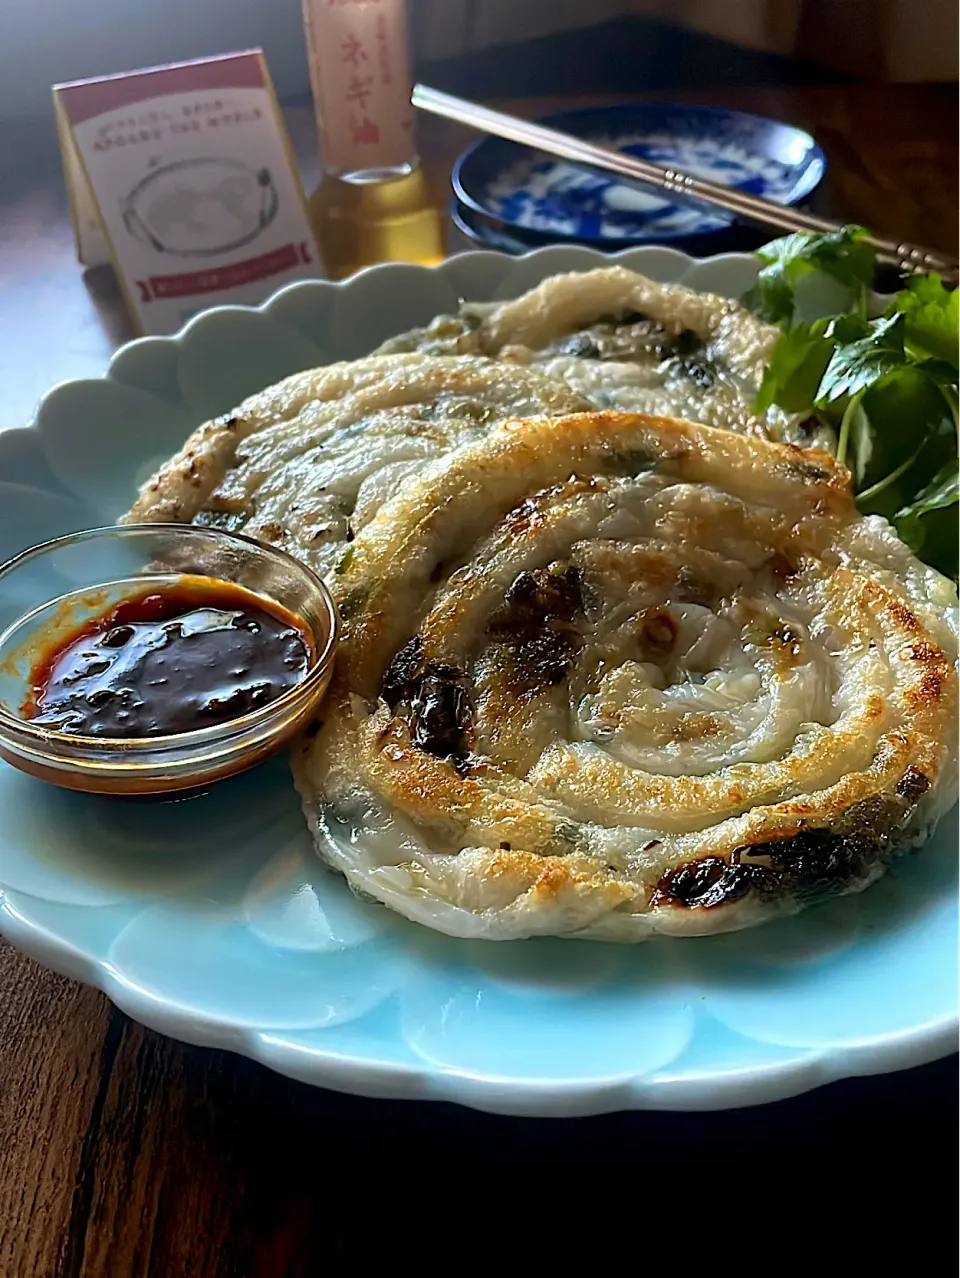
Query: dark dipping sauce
[173, 659]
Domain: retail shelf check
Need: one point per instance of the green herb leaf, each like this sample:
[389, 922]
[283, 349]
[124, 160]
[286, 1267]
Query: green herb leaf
[888, 387]
[899, 412]
[943, 490]
[843, 255]
[931, 312]
[799, 361]
[848, 328]
[858, 365]
[939, 371]
[928, 524]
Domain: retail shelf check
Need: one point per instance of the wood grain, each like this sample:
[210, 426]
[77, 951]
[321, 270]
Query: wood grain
[172, 1161]
[123, 1154]
[56, 1046]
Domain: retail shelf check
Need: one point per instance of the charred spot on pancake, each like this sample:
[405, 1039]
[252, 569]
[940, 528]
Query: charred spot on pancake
[919, 651]
[817, 862]
[806, 866]
[441, 713]
[544, 594]
[524, 515]
[706, 883]
[936, 669]
[402, 673]
[930, 690]
[541, 660]
[912, 785]
[535, 625]
[440, 708]
[531, 512]
[527, 514]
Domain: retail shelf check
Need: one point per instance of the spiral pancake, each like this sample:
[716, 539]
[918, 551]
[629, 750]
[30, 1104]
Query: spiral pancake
[629, 343]
[611, 675]
[306, 463]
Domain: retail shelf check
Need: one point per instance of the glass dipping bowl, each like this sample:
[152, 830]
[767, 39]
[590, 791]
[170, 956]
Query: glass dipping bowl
[54, 587]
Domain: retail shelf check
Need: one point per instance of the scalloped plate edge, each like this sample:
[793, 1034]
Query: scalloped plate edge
[548, 1098]
[445, 268]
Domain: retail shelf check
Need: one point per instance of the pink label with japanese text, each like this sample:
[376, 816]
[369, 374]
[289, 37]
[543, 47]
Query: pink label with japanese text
[190, 168]
[360, 72]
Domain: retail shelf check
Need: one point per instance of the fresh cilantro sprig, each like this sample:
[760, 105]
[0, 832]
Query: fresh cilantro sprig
[843, 258]
[887, 386]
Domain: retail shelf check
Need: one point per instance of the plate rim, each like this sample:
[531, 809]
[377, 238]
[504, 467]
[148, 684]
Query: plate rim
[740, 1086]
[496, 1094]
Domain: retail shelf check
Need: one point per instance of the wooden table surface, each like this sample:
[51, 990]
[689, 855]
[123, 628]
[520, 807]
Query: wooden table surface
[124, 1153]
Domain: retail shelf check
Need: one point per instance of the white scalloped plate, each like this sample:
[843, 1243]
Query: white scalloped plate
[212, 920]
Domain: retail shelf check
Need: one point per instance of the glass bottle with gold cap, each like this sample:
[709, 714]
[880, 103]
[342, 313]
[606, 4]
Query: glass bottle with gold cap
[373, 203]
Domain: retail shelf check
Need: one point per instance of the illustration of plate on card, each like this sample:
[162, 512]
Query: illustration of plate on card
[200, 207]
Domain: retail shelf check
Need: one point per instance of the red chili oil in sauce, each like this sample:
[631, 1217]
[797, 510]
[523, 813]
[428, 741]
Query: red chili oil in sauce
[171, 659]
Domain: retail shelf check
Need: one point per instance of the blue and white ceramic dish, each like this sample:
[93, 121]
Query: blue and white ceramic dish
[476, 231]
[212, 920]
[551, 199]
